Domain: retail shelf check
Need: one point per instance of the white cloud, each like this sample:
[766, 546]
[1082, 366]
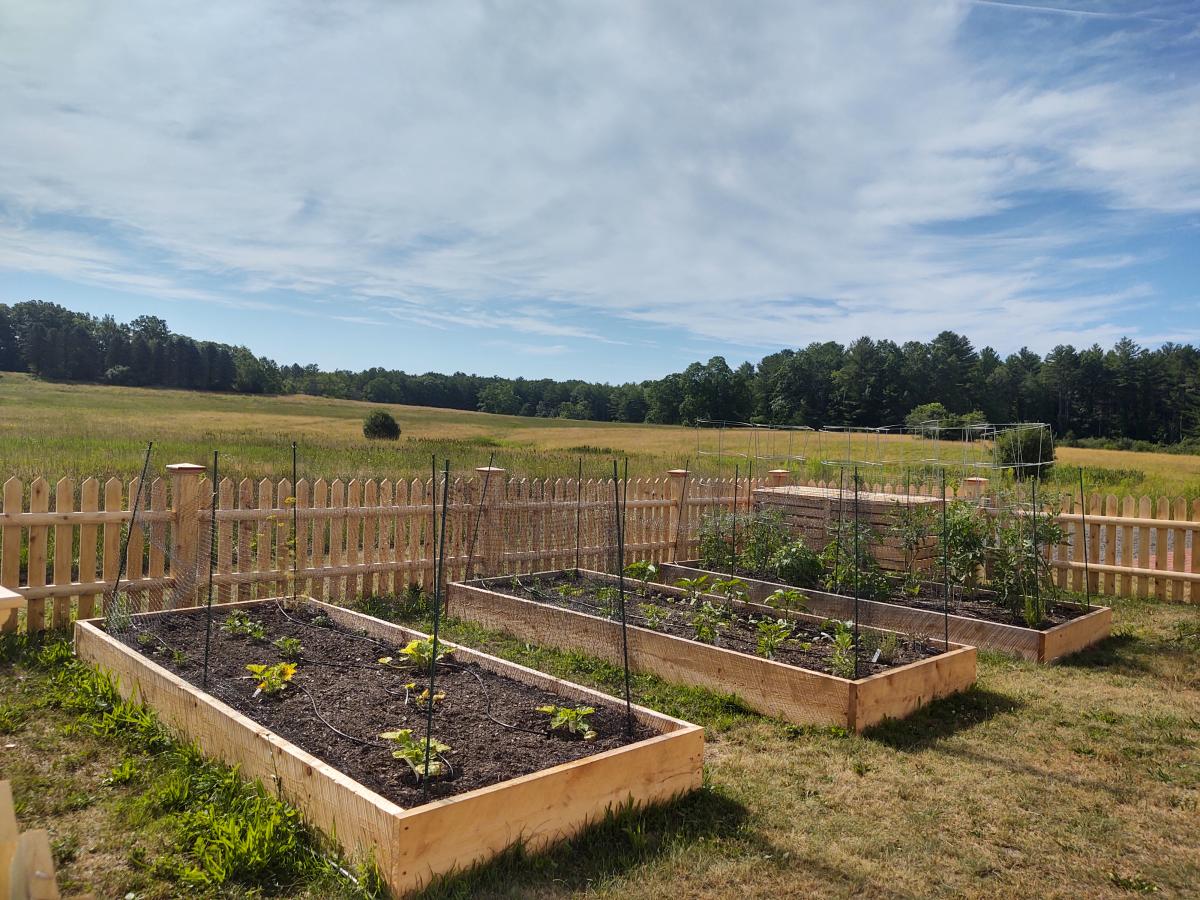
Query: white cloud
[762, 174]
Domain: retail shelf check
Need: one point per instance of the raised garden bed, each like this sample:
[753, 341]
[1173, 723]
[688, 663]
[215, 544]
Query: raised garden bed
[978, 622]
[501, 782]
[797, 685]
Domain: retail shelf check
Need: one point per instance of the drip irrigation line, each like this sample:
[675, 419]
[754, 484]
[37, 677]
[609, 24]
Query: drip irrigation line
[331, 726]
[212, 549]
[347, 633]
[478, 516]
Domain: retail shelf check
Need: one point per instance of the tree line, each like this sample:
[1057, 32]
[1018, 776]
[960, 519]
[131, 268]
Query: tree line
[1127, 392]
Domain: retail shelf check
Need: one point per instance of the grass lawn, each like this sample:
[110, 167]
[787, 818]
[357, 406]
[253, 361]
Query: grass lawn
[1081, 779]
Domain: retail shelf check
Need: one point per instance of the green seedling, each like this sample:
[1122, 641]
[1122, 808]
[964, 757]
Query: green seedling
[731, 589]
[842, 659]
[787, 600]
[411, 750]
[288, 647]
[145, 639]
[571, 720]
[772, 635]
[644, 572]
[271, 679]
[607, 599]
[693, 587]
[707, 622]
[655, 615]
[239, 623]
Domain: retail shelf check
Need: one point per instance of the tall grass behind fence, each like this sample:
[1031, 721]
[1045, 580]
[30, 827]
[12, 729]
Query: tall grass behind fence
[60, 542]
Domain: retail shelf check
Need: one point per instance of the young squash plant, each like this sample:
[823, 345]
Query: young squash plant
[417, 653]
[707, 621]
[731, 589]
[411, 751]
[571, 720]
[654, 614]
[272, 679]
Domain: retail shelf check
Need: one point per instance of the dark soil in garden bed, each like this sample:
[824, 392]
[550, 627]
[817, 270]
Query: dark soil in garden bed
[338, 672]
[808, 647]
[970, 605]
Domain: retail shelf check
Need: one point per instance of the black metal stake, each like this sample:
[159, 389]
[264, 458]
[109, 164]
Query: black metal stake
[212, 549]
[479, 515]
[621, 593]
[133, 511]
[1037, 556]
[439, 562]
[733, 520]
[295, 529]
[1087, 574]
[945, 568]
[578, 510]
[856, 561]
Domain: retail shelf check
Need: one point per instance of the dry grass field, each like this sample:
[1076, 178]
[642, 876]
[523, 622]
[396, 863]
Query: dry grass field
[57, 430]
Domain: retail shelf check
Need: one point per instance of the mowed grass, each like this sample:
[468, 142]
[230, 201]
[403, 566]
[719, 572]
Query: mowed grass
[1081, 779]
[79, 431]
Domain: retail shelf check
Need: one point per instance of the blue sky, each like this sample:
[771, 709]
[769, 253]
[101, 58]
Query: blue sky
[607, 190]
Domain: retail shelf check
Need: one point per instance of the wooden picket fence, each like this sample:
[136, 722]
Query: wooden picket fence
[60, 544]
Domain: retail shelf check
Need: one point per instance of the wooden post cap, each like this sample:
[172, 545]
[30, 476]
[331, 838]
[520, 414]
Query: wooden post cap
[186, 469]
[677, 473]
[494, 470]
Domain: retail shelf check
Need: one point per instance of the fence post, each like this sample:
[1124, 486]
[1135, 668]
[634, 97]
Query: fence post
[678, 516]
[490, 549]
[778, 478]
[185, 531]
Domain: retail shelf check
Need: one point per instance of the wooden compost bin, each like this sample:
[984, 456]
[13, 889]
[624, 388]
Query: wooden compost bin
[809, 513]
[413, 845]
[1027, 643]
[798, 695]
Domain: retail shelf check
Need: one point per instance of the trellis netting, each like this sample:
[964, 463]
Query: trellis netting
[903, 523]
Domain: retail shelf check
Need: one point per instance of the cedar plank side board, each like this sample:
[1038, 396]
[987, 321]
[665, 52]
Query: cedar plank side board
[1028, 643]
[411, 846]
[797, 695]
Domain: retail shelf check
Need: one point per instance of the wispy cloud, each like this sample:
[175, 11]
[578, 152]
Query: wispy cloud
[758, 175]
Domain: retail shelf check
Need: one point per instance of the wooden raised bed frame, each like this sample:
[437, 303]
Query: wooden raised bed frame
[1027, 643]
[801, 696]
[413, 845]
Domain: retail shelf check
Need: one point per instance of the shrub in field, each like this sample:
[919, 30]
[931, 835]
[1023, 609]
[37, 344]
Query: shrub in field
[380, 425]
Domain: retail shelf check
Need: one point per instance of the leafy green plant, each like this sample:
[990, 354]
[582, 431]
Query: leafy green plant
[608, 599]
[411, 751]
[794, 563]
[1021, 573]
[419, 654]
[885, 643]
[841, 573]
[654, 614]
[178, 657]
[706, 622]
[693, 587]
[716, 540]
[731, 589]
[12, 718]
[772, 635]
[788, 600]
[912, 527]
[422, 698]
[271, 678]
[966, 542]
[644, 571]
[761, 536]
[841, 661]
[288, 647]
[239, 623]
[571, 720]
